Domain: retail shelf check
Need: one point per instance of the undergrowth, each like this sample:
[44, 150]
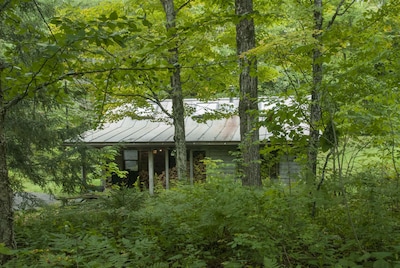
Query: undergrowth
[218, 224]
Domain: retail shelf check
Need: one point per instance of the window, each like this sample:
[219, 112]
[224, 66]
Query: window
[131, 158]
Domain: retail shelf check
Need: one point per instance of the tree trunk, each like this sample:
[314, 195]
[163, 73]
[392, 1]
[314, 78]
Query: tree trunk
[178, 111]
[6, 193]
[248, 104]
[315, 107]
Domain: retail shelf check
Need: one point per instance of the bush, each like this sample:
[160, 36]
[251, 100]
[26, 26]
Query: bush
[217, 224]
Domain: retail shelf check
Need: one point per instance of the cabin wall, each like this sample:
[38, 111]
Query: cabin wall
[224, 159]
[222, 162]
[286, 170]
[289, 169]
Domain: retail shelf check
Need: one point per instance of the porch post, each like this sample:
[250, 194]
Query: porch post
[84, 168]
[166, 153]
[191, 166]
[151, 172]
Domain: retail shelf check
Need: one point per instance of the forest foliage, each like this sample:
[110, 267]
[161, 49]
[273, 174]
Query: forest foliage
[219, 224]
[63, 71]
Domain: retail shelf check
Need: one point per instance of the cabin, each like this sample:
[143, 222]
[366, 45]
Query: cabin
[146, 139]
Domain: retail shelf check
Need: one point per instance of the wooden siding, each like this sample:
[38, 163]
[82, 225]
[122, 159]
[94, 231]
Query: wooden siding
[223, 153]
[289, 169]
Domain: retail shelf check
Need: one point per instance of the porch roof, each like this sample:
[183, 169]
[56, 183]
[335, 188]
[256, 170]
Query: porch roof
[158, 128]
[129, 130]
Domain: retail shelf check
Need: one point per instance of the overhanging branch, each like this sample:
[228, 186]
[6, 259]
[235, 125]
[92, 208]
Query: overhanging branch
[338, 13]
[183, 5]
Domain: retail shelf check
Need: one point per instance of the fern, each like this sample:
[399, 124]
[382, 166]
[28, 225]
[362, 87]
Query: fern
[212, 225]
[271, 263]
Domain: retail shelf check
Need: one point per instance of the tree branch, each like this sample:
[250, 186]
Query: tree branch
[183, 5]
[338, 13]
[44, 20]
[157, 101]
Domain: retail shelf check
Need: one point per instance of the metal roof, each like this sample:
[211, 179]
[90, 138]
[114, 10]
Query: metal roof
[160, 130]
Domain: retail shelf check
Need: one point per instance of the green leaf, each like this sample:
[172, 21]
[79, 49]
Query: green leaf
[270, 263]
[103, 18]
[5, 250]
[381, 255]
[113, 15]
[147, 23]
[176, 257]
[381, 264]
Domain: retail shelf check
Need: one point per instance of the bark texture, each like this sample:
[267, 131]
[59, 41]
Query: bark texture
[248, 105]
[6, 193]
[315, 107]
[178, 110]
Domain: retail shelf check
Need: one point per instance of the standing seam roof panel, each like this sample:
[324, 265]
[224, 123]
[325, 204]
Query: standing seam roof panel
[106, 132]
[146, 131]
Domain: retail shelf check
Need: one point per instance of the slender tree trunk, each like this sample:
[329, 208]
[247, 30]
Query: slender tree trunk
[315, 107]
[178, 111]
[6, 193]
[248, 105]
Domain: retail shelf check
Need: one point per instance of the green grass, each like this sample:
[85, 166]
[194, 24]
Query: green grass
[356, 160]
[30, 187]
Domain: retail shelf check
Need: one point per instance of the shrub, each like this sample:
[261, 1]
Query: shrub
[218, 224]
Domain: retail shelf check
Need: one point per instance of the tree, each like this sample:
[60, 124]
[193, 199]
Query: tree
[248, 105]
[33, 96]
[178, 110]
[14, 62]
[157, 57]
[317, 77]
[6, 194]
